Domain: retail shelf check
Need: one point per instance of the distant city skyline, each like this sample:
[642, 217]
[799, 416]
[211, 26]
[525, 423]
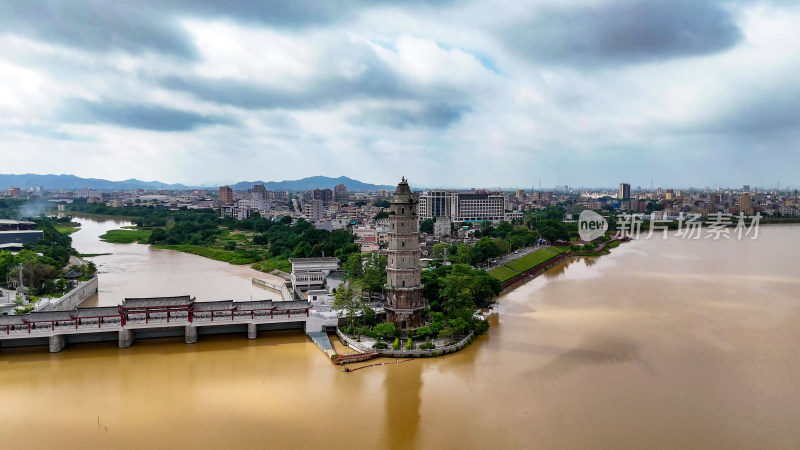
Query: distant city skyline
[245, 184]
[471, 93]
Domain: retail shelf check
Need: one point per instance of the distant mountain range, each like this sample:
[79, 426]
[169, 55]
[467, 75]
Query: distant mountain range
[70, 182]
[317, 182]
[30, 180]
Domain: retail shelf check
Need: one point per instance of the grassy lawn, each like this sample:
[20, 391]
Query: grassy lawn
[503, 273]
[215, 253]
[234, 236]
[535, 258]
[67, 229]
[274, 263]
[126, 236]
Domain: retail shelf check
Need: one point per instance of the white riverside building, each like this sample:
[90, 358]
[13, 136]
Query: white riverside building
[463, 206]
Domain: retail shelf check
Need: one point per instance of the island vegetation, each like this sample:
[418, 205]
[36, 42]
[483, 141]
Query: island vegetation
[454, 293]
[265, 243]
[44, 264]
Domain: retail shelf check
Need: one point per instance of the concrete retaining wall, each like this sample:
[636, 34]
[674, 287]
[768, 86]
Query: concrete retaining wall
[73, 298]
[419, 352]
[276, 284]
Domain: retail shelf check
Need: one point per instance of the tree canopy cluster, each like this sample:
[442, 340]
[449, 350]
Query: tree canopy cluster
[43, 262]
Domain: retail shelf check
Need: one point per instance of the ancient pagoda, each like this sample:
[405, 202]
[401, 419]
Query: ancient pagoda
[404, 301]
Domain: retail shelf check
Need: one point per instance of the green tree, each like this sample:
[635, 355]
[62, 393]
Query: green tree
[427, 226]
[157, 236]
[446, 333]
[353, 267]
[422, 331]
[374, 272]
[303, 250]
[464, 254]
[34, 274]
[89, 269]
[438, 250]
[367, 316]
[348, 298]
[385, 329]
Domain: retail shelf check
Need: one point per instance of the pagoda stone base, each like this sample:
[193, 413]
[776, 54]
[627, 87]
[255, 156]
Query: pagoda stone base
[405, 318]
[404, 307]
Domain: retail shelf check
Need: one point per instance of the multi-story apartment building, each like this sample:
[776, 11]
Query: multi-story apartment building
[314, 209]
[326, 195]
[745, 206]
[340, 194]
[226, 195]
[260, 197]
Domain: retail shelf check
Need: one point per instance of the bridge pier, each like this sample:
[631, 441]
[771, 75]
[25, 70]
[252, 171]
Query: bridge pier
[252, 331]
[57, 343]
[190, 335]
[126, 338]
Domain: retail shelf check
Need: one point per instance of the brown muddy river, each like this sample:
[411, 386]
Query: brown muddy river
[135, 270]
[662, 344]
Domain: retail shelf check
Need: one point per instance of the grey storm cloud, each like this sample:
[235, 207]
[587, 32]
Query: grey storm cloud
[153, 25]
[439, 115]
[624, 32]
[96, 26]
[135, 115]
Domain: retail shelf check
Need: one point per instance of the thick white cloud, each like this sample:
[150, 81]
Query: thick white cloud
[451, 94]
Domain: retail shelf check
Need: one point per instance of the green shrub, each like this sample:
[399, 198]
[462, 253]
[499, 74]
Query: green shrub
[380, 345]
[428, 345]
[396, 345]
[422, 331]
[435, 353]
[370, 333]
[409, 344]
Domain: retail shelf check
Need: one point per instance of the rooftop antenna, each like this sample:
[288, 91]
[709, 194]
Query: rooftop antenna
[19, 284]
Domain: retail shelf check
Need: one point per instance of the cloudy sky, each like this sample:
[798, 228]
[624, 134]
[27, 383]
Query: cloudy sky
[448, 93]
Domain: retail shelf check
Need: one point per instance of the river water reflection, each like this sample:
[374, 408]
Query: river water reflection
[662, 344]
